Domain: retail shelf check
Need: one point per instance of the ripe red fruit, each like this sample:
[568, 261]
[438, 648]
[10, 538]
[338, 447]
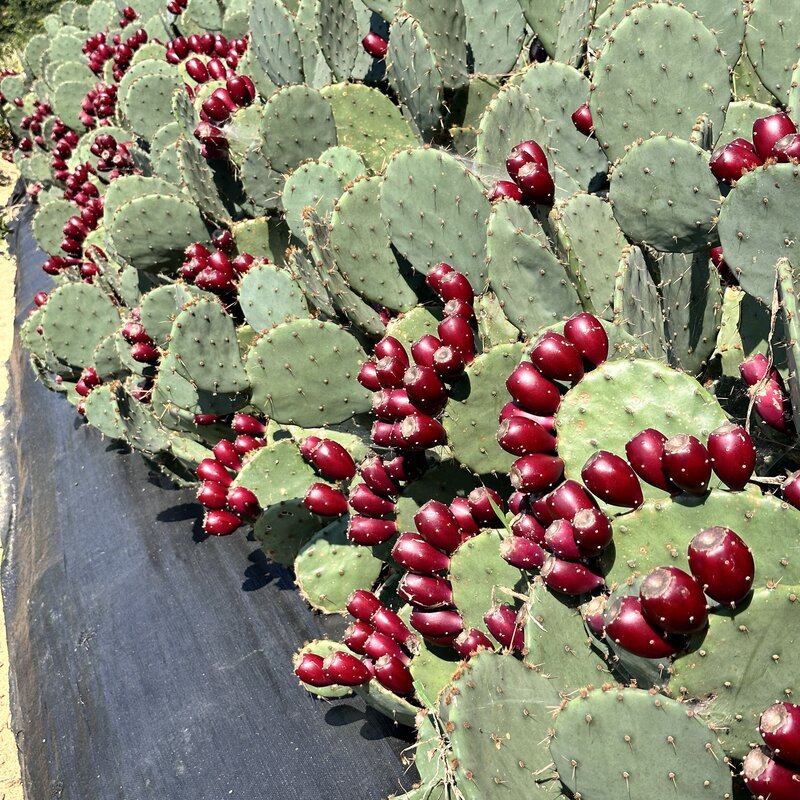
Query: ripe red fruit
[325, 501]
[246, 423]
[537, 472]
[439, 627]
[536, 184]
[424, 387]
[221, 523]
[368, 376]
[413, 552]
[582, 120]
[733, 455]
[244, 503]
[521, 436]
[406, 466]
[722, 564]
[245, 443]
[209, 469]
[612, 479]
[790, 489]
[393, 675]
[532, 390]
[502, 623]
[370, 530]
[505, 190]
[780, 729]
[480, 502]
[345, 669]
[626, 624]
[212, 495]
[425, 591]
[586, 332]
[559, 539]
[467, 643]
[729, 162]
[387, 621]
[241, 89]
[308, 668]
[788, 148]
[526, 526]
[557, 358]
[646, 456]
[377, 478]
[673, 601]
[767, 778]
[391, 347]
[459, 308]
[768, 130]
[375, 45]
[436, 274]
[523, 553]
[569, 577]
[421, 432]
[687, 463]
[356, 635]
[390, 371]
[197, 70]
[592, 531]
[448, 363]
[467, 525]
[363, 605]
[455, 286]
[364, 501]
[566, 500]
[456, 332]
[226, 454]
[424, 349]
[439, 527]
[526, 152]
[332, 461]
[773, 406]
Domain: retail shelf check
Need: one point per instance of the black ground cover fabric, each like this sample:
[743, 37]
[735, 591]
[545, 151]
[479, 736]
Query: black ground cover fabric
[148, 660]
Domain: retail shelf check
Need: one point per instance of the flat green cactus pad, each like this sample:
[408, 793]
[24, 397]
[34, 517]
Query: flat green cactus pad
[283, 528]
[314, 186]
[269, 296]
[500, 717]
[630, 743]
[159, 307]
[147, 105]
[772, 40]
[412, 325]
[389, 704]
[304, 373]
[330, 567]
[494, 32]
[130, 187]
[275, 41]
[50, 218]
[614, 402]
[198, 181]
[432, 669]
[739, 119]
[745, 663]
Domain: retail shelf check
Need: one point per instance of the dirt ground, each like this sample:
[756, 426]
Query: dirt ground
[10, 782]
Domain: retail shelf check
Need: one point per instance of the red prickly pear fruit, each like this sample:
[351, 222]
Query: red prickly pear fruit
[527, 526]
[730, 161]
[389, 346]
[733, 455]
[722, 564]
[501, 620]
[788, 148]
[377, 478]
[755, 368]
[389, 371]
[536, 184]
[768, 778]
[332, 461]
[216, 109]
[559, 539]
[222, 239]
[569, 577]
[325, 501]
[481, 506]
[467, 643]
[673, 601]
[375, 45]
[687, 463]
[392, 674]
[611, 478]
[425, 591]
[773, 407]
[505, 190]
[145, 353]
[308, 668]
[459, 308]
[436, 275]
[523, 553]
[134, 332]
[527, 152]
[244, 444]
[90, 377]
[207, 419]
[424, 387]
[557, 358]
[536, 473]
[769, 130]
[518, 502]
[212, 495]
[467, 524]
[368, 376]
[790, 489]
[241, 89]
[217, 69]
[413, 552]
[592, 613]
[386, 434]
[221, 523]
[780, 729]
[541, 510]
[455, 286]
[582, 120]
[456, 332]
[592, 531]
[356, 635]
[392, 405]
[363, 604]
[437, 524]
[424, 349]
[387, 621]
[378, 644]
[307, 446]
[39, 299]
[226, 454]
[627, 626]
[242, 263]
[365, 502]
[421, 432]
[209, 469]
[439, 627]
[566, 500]
[532, 390]
[370, 530]
[586, 332]
[448, 363]
[406, 466]
[646, 456]
[244, 503]
[345, 669]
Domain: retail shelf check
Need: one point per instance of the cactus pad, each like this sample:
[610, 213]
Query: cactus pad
[275, 41]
